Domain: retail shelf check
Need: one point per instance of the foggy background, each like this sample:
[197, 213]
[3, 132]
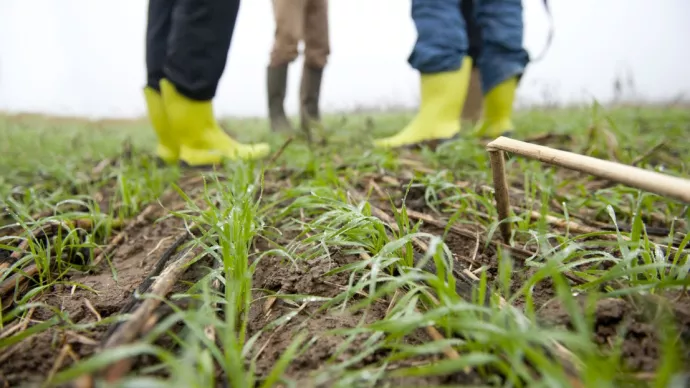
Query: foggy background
[86, 57]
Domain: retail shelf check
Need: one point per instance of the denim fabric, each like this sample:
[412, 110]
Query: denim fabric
[474, 33]
[442, 39]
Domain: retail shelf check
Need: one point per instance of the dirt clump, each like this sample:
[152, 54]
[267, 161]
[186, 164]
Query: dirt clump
[308, 278]
[637, 326]
[86, 298]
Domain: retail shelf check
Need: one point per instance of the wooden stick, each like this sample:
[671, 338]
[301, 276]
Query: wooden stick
[160, 265]
[160, 287]
[654, 182]
[18, 279]
[501, 191]
[131, 328]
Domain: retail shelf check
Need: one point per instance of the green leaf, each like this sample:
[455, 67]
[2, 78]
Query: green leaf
[447, 366]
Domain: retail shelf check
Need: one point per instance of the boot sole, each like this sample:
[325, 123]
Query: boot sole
[204, 167]
[160, 163]
[433, 144]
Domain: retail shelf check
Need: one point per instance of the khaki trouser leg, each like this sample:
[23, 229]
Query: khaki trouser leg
[316, 51]
[316, 37]
[289, 30]
[289, 20]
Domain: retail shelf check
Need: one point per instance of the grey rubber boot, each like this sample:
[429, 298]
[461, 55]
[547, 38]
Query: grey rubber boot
[310, 90]
[276, 84]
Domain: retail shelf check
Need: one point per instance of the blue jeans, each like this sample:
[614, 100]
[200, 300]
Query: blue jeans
[442, 39]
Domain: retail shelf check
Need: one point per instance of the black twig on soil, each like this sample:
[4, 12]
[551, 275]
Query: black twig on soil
[146, 283]
[130, 329]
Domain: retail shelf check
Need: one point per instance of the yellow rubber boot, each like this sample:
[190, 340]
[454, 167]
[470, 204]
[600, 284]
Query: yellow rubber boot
[167, 148]
[442, 98]
[498, 110]
[202, 141]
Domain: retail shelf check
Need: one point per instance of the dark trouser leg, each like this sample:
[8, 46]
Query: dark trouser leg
[157, 32]
[198, 45]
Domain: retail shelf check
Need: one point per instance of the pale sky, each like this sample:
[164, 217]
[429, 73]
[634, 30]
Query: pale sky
[86, 57]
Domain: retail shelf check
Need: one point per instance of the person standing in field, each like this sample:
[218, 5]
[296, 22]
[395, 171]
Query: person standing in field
[441, 55]
[187, 44]
[295, 21]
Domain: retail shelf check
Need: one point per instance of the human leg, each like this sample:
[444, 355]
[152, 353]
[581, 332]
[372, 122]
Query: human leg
[440, 56]
[316, 50]
[288, 16]
[502, 62]
[157, 31]
[199, 42]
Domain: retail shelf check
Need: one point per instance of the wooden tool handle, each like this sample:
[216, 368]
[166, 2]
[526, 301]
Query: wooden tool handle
[654, 182]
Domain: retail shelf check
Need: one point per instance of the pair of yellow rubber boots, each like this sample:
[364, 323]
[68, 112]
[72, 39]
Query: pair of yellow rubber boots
[442, 99]
[188, 132]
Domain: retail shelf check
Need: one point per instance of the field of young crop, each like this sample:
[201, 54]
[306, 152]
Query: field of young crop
[336, 265]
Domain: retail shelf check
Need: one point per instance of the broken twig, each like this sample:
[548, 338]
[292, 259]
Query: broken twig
[131, 328]
[501, 192]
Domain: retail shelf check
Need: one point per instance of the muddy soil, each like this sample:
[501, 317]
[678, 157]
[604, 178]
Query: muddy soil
[642, 342]
[275, 275]
[101, 295]
[638, 323]
[98, 295]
